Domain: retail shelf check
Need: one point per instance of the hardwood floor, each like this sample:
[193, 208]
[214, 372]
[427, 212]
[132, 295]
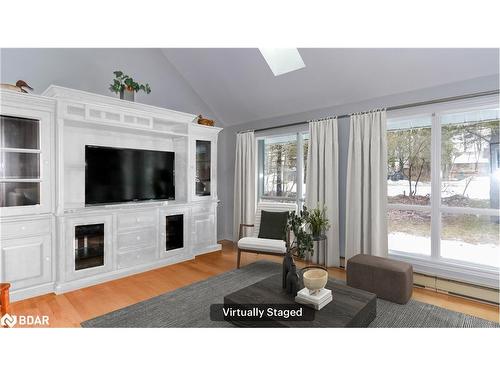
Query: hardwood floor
[72, 308]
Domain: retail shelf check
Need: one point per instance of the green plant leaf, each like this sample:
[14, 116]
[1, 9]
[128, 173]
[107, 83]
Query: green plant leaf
[123, 81]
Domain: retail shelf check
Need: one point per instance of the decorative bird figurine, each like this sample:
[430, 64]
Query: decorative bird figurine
[19, 86]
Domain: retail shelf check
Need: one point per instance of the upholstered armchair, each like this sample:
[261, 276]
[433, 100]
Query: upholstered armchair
[259, 244]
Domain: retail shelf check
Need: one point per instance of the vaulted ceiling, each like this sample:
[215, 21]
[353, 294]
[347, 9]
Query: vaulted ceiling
[239, 87]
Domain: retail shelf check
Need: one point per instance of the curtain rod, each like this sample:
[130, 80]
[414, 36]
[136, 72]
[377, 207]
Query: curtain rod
[396, 107]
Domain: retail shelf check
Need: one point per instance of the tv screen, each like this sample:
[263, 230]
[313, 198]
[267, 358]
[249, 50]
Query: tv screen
[114, 175]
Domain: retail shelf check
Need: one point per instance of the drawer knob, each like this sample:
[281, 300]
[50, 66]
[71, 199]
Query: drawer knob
[23, 228]
[47, 259]
[138, 238]
[138, 256]
[138, 220]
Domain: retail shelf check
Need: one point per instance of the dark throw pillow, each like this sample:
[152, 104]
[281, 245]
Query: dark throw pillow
[273, 225]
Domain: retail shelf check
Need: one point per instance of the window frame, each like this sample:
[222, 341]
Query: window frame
[300, 199]
[435, 264]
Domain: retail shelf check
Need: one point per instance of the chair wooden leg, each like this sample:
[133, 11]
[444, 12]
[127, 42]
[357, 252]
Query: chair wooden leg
[238, 258]
[4, 299]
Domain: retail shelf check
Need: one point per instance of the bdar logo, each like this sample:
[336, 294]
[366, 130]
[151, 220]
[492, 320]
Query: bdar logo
[8, 320]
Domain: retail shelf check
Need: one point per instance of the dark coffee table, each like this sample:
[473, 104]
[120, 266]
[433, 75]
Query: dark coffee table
[350, 307]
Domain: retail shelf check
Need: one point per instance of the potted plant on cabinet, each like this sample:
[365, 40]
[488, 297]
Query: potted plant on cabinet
[126, 86]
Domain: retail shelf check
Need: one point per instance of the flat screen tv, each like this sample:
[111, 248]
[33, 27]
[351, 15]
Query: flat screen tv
[114, 175]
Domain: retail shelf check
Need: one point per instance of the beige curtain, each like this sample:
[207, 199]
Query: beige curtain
[244, 181]
[366, 216]
[322, 180]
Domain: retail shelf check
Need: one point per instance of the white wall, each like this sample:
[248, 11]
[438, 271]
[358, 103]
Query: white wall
[92, 70]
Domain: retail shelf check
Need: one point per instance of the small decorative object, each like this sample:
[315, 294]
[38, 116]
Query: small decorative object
[287, 264]
[292, 281]
[315, 279]
[317, 301]
[302, 244]
[126, 86]
[318, 222]
[19, 86]
[205, 121]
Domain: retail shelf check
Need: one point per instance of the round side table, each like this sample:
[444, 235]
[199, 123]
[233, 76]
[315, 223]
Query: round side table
[319, 255]
[320, 245]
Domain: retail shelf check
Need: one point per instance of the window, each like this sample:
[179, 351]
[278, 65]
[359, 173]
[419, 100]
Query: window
[443, 181]
[282, 60]
[409, 185]
[470, 186]
[282, 167]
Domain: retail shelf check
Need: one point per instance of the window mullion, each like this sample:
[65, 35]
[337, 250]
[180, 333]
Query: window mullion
[298, 167]
[435, 187]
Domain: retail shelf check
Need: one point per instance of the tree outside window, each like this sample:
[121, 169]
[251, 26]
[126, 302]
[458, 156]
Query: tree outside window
[282, 167]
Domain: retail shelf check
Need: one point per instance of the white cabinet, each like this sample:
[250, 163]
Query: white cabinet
[136, 257]
[26, 154]
[27, 194]
[174, 234]
[136, 220]
[27, 261]
[22, 228]
[26, 255]
[92, 244]
[137, 237]
[204, 162]
[203, 227]
[145, 237]
[88, 249]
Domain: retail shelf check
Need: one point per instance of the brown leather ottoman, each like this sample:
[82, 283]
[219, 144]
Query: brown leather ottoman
[388, 279]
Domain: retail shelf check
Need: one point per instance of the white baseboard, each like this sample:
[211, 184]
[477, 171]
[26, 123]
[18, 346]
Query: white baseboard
[64, 287]
[208, 249]
[18, 295]
[117, 274]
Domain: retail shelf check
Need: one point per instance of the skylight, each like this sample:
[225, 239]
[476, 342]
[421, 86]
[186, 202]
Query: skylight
[282, 60]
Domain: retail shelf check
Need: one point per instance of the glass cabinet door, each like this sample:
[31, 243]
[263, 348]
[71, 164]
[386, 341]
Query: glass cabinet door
[203, 167]
[174, 232]
[89, 246]
[19, 161]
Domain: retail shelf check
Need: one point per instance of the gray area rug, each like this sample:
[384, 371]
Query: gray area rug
[190, 306]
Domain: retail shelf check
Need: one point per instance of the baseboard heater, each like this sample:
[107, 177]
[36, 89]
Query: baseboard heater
[452, 287]
[457, 288]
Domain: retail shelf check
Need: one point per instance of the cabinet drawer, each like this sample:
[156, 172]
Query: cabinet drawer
[137, 220]
[134, 258]
[202, 209]
[24, 228]
[140, 238]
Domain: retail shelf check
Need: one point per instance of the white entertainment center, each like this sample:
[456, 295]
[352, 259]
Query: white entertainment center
[50, 240]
